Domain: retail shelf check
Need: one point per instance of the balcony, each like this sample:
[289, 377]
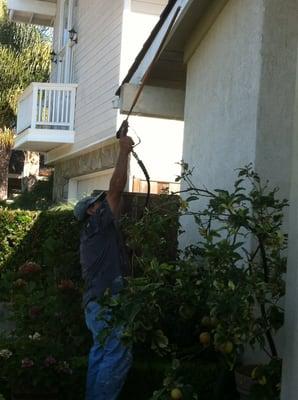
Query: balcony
[46, 116]
[39, 12]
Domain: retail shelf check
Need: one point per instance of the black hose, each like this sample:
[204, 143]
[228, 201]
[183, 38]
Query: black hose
[143, 168]
[122, 131]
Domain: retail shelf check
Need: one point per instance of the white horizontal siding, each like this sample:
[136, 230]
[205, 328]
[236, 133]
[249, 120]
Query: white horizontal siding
[153, 7]
[106, 32]
[97, 68]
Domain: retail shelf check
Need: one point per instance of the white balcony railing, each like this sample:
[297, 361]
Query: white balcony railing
[48, 106]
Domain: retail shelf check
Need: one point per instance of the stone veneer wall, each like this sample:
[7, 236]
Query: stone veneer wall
[95, 161]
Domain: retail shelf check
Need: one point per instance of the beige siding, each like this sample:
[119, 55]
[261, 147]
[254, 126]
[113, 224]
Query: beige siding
[153, 7]
[97, 64]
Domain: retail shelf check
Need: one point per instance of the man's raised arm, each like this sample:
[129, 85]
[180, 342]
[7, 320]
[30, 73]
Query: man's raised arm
[119, 177]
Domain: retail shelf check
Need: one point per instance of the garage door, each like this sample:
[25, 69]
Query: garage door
[85, 186]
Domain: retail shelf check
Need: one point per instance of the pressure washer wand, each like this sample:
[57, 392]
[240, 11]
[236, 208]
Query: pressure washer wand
[122, 131]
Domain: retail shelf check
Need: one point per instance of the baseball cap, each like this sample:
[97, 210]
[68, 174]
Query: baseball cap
[82, 205]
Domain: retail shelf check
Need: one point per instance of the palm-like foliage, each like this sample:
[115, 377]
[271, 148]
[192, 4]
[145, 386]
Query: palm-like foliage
[24, 58]
[6, 138]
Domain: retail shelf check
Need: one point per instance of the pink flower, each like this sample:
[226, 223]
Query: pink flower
[27, 363]
[66, 284]
[20, 283]
[29, 268]
[34, 312]
[65, 368]
[50, 360]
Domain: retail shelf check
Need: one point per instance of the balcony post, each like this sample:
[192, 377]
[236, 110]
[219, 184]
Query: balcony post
[34, 106]
[72, 108]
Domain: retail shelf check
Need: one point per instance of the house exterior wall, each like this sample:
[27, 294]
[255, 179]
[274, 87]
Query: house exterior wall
[221, 103]
[109, 37]
[240, 108]
[96, 70]
[161, 140]
[110, 34]
[290, 364]
[277, 93]
[85, 164]
[160, 148]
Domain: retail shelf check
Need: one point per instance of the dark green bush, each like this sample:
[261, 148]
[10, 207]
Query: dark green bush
[47, 301]
[39, 198]
[40, 276]
[50, 238]
[14, 228]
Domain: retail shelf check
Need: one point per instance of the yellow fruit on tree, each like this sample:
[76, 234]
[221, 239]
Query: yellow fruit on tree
[226, 347]
[176, 394]
[205, 338]
[213, 322]
[205, 321]
[263, 380]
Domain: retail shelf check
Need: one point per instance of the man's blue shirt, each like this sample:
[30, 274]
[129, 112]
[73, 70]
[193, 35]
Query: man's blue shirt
[102, 254]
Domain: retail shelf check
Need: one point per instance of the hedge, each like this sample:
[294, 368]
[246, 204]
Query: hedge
[49, 238]
[52, 237]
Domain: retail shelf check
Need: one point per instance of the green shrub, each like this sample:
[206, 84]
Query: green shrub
[41, 277]
[14, 228]
[50, 238]
[39, 198]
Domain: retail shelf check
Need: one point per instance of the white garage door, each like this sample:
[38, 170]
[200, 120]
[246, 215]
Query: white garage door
[84, 185]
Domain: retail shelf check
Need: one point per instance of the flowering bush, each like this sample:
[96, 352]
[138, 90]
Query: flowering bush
[41, 278]
[33, 363]
[47, 349]
[29, 269]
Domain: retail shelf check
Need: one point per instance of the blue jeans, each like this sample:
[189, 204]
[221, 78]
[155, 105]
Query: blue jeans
[109, 364]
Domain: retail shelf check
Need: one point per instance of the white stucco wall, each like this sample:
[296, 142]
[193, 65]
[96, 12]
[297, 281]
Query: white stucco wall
[277, 93]
[222, 99]
[240, 108]
[290, 365]
[160, 148]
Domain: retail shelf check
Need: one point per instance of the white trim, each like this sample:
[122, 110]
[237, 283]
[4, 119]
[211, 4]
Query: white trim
[14, 176]
[44, 137]
[65, 50]
[155, 101]
[33, 7]
[46, 85]
[73, 182]
[152, 51]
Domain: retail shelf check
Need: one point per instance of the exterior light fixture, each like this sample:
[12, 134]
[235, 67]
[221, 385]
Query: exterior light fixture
[53, 56]
[73, 35]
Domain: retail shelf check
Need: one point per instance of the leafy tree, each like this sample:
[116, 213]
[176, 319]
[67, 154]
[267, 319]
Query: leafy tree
[24, 58]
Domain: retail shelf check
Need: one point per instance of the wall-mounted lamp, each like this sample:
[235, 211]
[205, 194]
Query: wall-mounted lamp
[53, 56]
[73, 35]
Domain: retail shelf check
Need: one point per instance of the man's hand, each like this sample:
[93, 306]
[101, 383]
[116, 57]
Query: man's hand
[118, 180]
[126, 143]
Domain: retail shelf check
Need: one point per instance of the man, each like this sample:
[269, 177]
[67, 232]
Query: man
[103, 263]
